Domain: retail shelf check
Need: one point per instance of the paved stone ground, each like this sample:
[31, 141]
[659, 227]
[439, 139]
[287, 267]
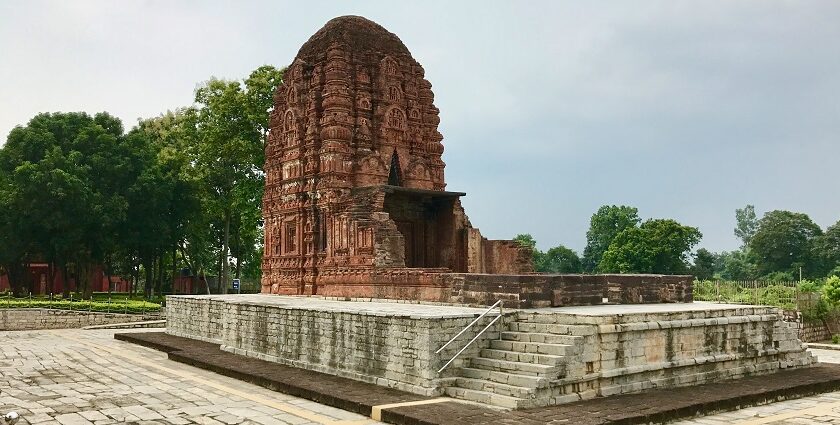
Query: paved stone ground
[73, 377]
[820, 409]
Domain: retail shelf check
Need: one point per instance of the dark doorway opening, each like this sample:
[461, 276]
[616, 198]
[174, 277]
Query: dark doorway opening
[426, 221]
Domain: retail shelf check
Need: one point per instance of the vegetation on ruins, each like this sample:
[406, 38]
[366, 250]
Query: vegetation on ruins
[180, 190]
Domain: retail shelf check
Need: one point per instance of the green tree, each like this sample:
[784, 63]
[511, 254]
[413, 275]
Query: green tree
[735, 265]
[560, 260]
[784, 242]
[232, 122]
[604, 226]
[828, 248]
[657, 246]
[704, 264]
[746, 224]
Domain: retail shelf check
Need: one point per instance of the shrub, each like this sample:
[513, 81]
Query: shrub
[831, 289]
[808, 286]
[835, 339]
[779, 277]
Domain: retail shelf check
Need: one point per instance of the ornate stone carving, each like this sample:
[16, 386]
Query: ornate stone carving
[353, 118]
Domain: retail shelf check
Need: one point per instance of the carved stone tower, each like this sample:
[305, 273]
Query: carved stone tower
[354, 177]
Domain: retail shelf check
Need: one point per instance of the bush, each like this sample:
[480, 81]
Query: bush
[115, 306]
[808, 286]
[816, 312]
[831, 289]
[835, 339]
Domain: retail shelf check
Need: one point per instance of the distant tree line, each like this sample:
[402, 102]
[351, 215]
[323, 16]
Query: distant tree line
[777, 247]
[619, 242]
[183, 189]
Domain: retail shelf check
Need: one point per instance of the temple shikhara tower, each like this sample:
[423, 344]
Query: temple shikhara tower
[355, 201]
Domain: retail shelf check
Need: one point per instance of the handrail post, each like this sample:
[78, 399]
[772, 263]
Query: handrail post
[502, 315]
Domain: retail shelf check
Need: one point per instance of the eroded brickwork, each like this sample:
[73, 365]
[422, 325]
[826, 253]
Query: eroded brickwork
[354, 175]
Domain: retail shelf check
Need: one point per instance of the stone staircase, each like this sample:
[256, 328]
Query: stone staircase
[530, 357]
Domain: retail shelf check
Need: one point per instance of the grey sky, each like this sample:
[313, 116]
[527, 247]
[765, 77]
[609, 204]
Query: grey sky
[686, 110]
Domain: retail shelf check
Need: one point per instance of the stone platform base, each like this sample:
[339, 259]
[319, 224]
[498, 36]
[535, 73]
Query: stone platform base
[533, 357]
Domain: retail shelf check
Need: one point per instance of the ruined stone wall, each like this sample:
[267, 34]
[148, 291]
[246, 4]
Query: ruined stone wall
[543, 290]
[506, 257]
[41, 318]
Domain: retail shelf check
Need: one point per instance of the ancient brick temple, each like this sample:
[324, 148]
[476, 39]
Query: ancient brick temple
[354, 199]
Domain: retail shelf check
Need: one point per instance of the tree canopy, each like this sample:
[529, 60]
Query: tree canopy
[181, 189]
[785, 241]
[604, 226]
[657, 246]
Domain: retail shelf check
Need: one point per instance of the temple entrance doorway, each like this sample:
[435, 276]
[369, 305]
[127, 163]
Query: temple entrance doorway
[425, 220]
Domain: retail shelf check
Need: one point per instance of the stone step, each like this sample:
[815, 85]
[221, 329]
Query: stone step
[525, 381]
[551, 328]
[514, 356]
[494, 387]
[532, 369]
[542, 338]
[532, 347]
[485, 397]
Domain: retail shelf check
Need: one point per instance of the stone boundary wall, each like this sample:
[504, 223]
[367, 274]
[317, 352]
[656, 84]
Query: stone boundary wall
[14, 319]
[814, 331]
[810, 330]
[391, 350]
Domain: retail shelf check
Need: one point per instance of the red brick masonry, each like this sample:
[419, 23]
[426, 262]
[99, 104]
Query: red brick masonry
[521, 291]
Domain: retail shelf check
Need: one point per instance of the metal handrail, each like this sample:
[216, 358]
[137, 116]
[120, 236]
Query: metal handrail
[470, 325]
[501, 313]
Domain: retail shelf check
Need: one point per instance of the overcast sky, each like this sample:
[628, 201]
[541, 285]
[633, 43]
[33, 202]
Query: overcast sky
[686, 110]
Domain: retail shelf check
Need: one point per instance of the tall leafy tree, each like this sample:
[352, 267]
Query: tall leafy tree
[232, 122]
[784, 242]
[746, 224]
[66, 178]
[657, 246]
[828, 248]
[704, 264]
[735, 265]
[604, 226]
[560, 260]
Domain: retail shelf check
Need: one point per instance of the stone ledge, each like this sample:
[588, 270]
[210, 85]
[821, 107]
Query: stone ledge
[359, 397]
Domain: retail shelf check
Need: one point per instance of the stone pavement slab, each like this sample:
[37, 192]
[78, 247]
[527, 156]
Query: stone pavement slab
[370, 307]
[653, 406]
[73, 377]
